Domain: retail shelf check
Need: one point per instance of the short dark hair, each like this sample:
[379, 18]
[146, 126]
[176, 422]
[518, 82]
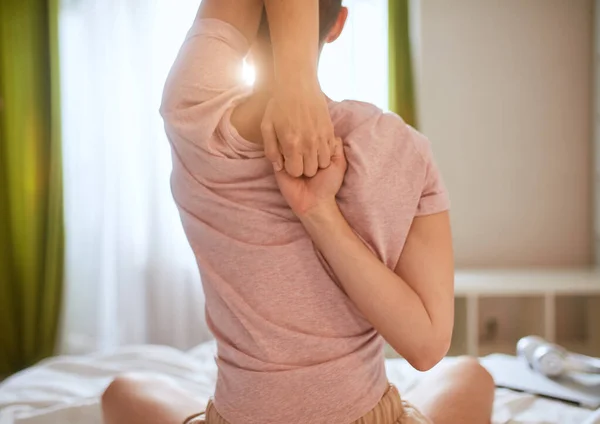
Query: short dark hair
[328, 14]
[329, 11]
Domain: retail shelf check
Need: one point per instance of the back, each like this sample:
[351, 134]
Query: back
[287, 333]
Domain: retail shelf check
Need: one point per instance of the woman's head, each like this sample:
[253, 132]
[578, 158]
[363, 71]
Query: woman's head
[329, 13]
[332, 17]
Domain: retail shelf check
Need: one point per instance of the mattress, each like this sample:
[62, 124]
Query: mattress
[66, 389]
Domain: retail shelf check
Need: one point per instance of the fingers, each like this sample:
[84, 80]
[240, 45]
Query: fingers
[317, 155]
[324, 154]
[339, 155]
[298, 158]
[294, 164]
[338, 148]
[311, 163]
[271, 145]
[292, 153]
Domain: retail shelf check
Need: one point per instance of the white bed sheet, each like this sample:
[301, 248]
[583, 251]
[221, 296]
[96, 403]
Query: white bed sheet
[66, 390]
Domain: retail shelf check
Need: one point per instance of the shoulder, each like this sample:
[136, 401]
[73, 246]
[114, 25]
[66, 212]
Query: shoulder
[378, 133]
[350, 115]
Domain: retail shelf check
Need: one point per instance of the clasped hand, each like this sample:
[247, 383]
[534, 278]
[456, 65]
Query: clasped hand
[299, 140]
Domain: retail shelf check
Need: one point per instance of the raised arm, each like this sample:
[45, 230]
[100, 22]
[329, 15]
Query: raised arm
[209, 63]
[244, 15]
[297, 128]
[294, 26]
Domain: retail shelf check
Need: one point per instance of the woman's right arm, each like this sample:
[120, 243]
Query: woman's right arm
[209, 63]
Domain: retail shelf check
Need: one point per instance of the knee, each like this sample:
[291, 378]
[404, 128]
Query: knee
[474, 373]
[121, 390]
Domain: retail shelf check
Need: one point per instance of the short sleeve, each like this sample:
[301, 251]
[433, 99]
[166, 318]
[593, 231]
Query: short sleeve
[208, 64]
[434, 195]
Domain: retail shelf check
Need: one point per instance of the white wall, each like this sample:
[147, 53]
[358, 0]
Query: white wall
[505, 96]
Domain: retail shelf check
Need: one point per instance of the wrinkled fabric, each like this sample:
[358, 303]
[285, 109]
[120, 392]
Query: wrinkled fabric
[390, 410]
[292, 347]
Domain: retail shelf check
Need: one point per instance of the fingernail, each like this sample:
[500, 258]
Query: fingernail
[277, 166]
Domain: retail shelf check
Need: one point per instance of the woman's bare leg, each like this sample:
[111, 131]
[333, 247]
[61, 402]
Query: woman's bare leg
[137, 399]
[458, 392]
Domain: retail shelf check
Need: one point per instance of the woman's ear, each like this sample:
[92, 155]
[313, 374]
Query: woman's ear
[338, 27]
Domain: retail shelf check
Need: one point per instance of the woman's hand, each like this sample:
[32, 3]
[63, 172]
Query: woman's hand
[306, 195]
[297, 130]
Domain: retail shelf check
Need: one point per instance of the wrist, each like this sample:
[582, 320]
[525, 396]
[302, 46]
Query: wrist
[298, 80]
[323, 213]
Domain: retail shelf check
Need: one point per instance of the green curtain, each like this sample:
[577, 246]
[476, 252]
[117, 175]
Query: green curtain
[31, 204]
[402, 91]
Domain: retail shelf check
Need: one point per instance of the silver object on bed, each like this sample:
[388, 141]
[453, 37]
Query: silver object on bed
[553, 360]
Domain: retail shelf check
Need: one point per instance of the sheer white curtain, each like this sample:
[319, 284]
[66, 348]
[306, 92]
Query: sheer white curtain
[130, 274]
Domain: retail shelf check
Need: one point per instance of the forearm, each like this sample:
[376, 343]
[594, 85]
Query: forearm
[388, 302]
[294, 26]
[244, 15]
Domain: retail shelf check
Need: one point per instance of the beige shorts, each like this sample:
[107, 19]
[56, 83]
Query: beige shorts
[391, 409]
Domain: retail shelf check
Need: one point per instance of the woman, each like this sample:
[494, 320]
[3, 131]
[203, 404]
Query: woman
[311, 257]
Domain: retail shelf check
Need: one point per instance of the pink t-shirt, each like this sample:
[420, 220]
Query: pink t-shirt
[292, 347]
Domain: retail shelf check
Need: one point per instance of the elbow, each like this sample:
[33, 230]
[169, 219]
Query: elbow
[169, 105]
[424, 362]
[173, 100]
[173, 111]
[429, 354]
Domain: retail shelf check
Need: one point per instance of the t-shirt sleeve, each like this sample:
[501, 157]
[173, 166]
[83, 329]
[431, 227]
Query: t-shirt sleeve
[208, 65]
[434, 195]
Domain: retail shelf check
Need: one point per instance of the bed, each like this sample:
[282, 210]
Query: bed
[66, 389]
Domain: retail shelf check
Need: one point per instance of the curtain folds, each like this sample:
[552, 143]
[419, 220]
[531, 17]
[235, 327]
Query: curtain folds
[130, 274]
[31, 219]
[401, 74]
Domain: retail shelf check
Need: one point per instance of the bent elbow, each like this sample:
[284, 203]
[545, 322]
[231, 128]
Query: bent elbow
[169, 105]
[429, 355]
[175, 99]
[424, 362]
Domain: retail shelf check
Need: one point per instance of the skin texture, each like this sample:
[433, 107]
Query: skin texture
[296, 126]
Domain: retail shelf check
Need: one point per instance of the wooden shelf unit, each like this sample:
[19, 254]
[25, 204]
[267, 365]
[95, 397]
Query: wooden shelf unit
[563, 306]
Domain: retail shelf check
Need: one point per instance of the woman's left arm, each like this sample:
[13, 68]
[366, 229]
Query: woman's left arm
[412, 309]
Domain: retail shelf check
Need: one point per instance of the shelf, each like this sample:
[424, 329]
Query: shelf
[510, 348]
[512, 318]
[487, 348]
[494, 309]
[527, 282]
